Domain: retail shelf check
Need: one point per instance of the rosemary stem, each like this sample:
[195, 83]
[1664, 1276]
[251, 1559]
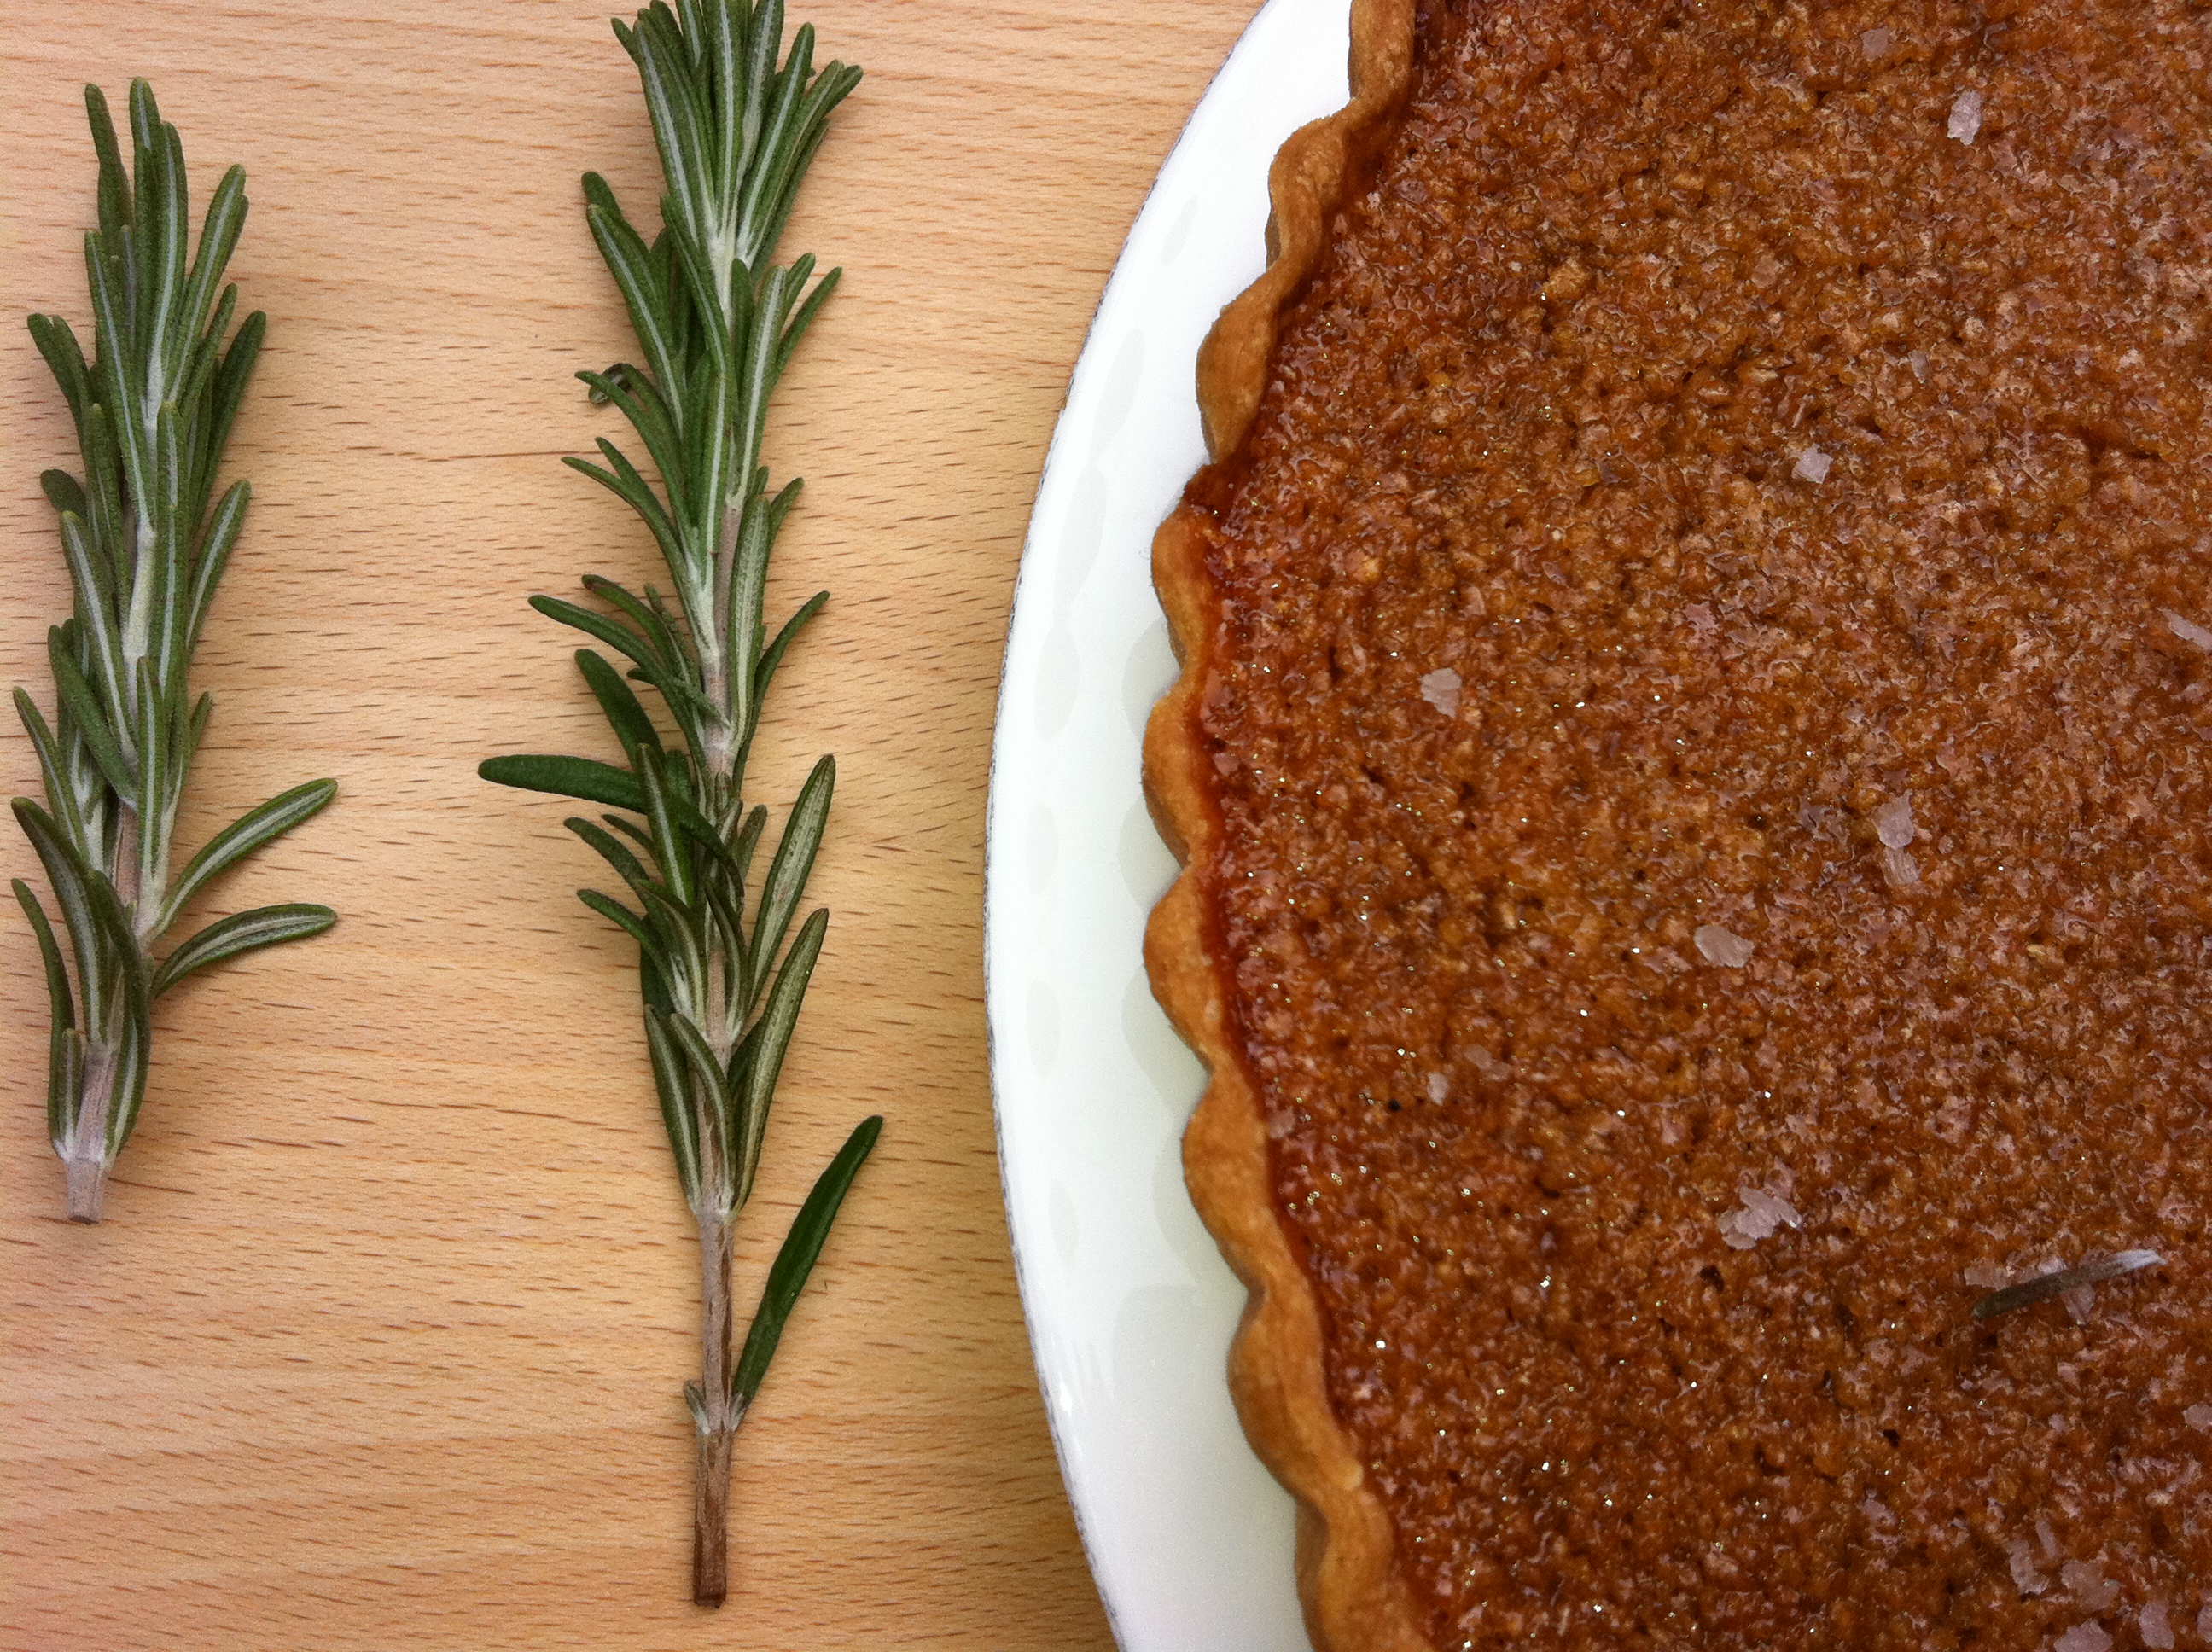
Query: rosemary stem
[716, 1248]
[717, 1424]
[84, 1156]
[84, 1150]
[86, 1178]
[710, 1520]
[721, 1024]
[123, 862]
[714, 744]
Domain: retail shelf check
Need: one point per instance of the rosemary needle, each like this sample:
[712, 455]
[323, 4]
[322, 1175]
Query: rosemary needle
[2043, 1287]
[152, 409]
[716, 321]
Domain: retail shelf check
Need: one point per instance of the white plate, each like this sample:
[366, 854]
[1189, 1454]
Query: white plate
[1130, 1306]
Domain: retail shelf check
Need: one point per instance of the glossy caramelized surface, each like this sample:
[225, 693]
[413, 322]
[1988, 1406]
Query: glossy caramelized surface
[1713, 729]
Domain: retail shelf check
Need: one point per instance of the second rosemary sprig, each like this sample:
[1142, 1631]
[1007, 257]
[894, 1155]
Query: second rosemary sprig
[722, 973]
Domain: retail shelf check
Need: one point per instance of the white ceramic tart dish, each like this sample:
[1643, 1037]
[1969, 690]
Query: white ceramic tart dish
[1346, 1583]
[1130, 1305]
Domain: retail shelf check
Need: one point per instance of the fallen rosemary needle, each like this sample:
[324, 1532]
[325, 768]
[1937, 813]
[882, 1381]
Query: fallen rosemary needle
[2094, 1270]
[152, 409]
[716, 322]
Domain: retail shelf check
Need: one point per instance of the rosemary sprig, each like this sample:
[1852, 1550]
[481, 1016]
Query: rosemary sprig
[153, 410]
[716, 323]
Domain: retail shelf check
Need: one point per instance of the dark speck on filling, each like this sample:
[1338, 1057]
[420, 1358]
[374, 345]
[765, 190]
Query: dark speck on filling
[1789, 919]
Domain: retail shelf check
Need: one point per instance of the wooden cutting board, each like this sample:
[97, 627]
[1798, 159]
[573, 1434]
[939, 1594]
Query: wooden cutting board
[381, 1345]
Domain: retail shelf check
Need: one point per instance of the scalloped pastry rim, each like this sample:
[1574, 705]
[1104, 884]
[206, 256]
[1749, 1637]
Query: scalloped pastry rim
[1354, 1599]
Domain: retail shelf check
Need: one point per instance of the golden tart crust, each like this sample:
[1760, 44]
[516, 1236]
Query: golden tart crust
[1352, 1593]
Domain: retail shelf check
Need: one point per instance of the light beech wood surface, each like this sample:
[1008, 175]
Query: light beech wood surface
[381, 1345]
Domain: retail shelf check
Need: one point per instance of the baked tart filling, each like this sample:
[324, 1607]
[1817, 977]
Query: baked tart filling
[1696, 761]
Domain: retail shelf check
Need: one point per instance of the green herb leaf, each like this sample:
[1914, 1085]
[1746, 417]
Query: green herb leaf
[769, 1038]
[676, 1112]
[89, 718]
[55, 772]
[627, 865]
[63, 491]
[802, 1246]
[244, 932]
[568, 777]
[624, 715]
[261, 825]
[772, 656]
[61, 1006]
[72, 881]
[615, 912]
[788, 873]
[614, 634]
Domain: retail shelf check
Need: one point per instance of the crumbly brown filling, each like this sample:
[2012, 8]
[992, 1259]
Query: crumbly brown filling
[1714, 733]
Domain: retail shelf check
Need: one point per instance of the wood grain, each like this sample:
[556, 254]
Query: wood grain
[382, 1342]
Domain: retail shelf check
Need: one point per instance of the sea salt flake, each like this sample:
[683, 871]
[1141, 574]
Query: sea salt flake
[1904, 870]
[1874, 43]
[1918, 361]
[1724, 947]
[2087, 1581]
[1813, 466]
[1761, 1213]
[1967, 115]
[2045, 1536]
[1699, 618]
[1439, 1088]
[2186, 631]
[2025, 1577]
[1769, 1207]
[2083, 1637]
[2157, 1631]
[1892, 821]
[2080, 1303]
[2205, 1621]
[2198, 1416]
[1441, 688]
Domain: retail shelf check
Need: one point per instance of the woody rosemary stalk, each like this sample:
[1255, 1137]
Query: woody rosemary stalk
[716, 323]
[154, 408]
